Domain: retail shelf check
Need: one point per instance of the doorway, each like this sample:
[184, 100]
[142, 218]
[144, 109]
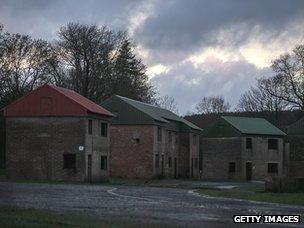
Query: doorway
[248, 171]
[89, 168]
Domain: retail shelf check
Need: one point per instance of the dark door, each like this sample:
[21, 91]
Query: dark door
[191, 167]
[162, 165]
[89, 168]
[248, 171]
[175, 168]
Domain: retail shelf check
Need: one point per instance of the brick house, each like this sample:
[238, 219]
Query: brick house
[241, 148]
[295, 145]
[148, 141]
[56, 134]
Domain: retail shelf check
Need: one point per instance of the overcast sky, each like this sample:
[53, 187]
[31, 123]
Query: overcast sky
[192, 48]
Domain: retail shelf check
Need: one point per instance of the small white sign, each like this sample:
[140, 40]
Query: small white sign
[81, 148]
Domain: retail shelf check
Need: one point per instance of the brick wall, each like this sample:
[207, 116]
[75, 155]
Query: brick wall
[35, 147]
[217, 153]
[132, 151]
[296, 163]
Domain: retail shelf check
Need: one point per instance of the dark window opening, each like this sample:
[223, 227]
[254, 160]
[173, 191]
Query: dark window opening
[272, 144]
[248, 143]
[170, 162]
[231, 167]
[90, 127]
[195, 163]
[273, 168]
[194, 139]
[69, 161]
[104, 162]
[104, 129]
[156, 160]
[159, 134]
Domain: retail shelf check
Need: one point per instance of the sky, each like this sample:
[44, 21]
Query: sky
[192, 48]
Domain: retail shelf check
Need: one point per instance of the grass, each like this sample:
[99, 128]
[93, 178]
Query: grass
[16, 217]
[284, 198]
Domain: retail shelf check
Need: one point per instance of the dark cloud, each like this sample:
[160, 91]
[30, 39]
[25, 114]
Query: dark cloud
[42, 18]
[185, 25]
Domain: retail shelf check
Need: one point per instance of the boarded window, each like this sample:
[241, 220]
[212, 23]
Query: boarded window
[90, 127]
[248, 143]
[104, 162]
[156, 160]
[159, 134]
[231, 167]
[273, 168]
[169, 162]
[69, 161]
[272, 144]
[104, 129]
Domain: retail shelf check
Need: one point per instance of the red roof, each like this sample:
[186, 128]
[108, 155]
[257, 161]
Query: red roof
[50, 100]
[84, 102]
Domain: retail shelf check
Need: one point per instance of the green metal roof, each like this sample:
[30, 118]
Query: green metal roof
[156, 113]
[254, 126]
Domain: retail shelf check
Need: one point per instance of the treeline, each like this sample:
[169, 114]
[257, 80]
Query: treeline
[96, 62]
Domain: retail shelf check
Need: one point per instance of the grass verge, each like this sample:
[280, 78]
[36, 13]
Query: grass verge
[16, 217]
[285, 198]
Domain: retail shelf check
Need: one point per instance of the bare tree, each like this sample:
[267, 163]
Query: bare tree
[99, 62]
[24, 65]
[257, 99]
[288, 82]
[168, 103]
[212, 105]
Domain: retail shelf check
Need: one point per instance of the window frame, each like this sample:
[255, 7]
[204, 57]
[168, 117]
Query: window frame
[104, 162]
[194, 139]
[248, 142]
[270, 169]
[159, 134]
[232, 167]
[271, 145]
[67, 163]
[90, 126]
[104, 130]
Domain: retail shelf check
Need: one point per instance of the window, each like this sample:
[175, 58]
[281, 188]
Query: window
[69, 161]
[248, 143]
[194, 139]
[104, 129]
[90, 127]
[195, 163]
[156, 160]
[231, 167]
[159, 134]
[272, 167]
[169, 162]
[104, 162]
[170, 136]
[272, 144]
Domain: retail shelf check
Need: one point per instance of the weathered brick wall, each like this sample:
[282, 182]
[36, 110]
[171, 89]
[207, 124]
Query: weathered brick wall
[296, 163]
[260, 156]
[184, 155]
[35, 147]
[131, 158]
[217, 153]
[97, 145]
[166, 149]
